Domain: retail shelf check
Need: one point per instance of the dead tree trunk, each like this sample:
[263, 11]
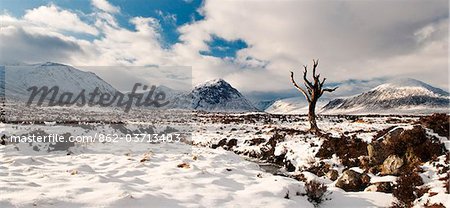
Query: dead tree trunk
[314, 90]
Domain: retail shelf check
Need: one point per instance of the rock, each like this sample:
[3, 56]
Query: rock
[392, 165]
[221, 143]
[289, 166]
[232, 143]
[365, 179]
[255, 141]
[350, 181]
[373, 150]
[332, 174]
[268, 149]
[393, 135]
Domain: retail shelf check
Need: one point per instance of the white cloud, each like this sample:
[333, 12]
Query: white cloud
[347, 36]
[55, 18]
[353, 39]
[105, 6]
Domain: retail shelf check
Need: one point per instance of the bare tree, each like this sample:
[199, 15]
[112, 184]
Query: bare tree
[314, 90]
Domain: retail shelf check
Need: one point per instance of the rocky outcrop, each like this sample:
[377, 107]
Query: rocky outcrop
[351, 180]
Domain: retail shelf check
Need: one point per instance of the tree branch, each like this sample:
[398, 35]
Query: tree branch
[299, 88]
[315, 63]
[321, 83]
[307, 82]
[329, 89]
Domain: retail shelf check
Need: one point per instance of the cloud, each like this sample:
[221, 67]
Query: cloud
[17, 43]
[105, 6]
[55, 18]
[353, 39]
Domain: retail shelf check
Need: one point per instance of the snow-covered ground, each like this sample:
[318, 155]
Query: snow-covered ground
[103, 175]
[129, 174]
[111, 175]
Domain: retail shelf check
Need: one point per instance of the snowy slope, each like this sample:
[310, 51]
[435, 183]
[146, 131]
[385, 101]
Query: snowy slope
[215, 95]
[68, 79]
[398, 96]
[294, 105]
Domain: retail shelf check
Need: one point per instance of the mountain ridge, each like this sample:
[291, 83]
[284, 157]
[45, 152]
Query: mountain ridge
[399, 95]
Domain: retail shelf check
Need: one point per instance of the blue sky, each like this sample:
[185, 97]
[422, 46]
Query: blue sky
[184, 11]
[171, 14]
[251, 44]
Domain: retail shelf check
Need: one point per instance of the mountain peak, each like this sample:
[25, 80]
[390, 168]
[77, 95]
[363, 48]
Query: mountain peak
[214, 82]
[52, 64]
[411, 85]
[219, 95]
[404, 82]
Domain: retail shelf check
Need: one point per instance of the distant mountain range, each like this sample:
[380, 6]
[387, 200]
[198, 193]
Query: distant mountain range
[69, 79]
[213, 96]
[397, 96]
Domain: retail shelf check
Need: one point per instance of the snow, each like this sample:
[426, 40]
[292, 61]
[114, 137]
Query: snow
[295, 105]
[219, 96]
[113, 176]
[19, 78]
[411, 86]
[398, 96]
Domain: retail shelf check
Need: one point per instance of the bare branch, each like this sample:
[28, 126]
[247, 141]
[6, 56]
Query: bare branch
[299, 88]
[315, 63]
[308, 84]
[321, 83]
[329, 89]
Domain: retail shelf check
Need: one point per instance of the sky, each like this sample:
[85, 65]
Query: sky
[251, 44]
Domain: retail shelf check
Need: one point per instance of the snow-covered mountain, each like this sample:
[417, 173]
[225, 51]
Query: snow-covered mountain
[399, 96]
[69, 79]
[215, 96]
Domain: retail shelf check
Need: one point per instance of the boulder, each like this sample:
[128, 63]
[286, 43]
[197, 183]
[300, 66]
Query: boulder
[221, 143]
[350, 181]
[390, 137]
[374, 153]
[392, 165]
[332, 174]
